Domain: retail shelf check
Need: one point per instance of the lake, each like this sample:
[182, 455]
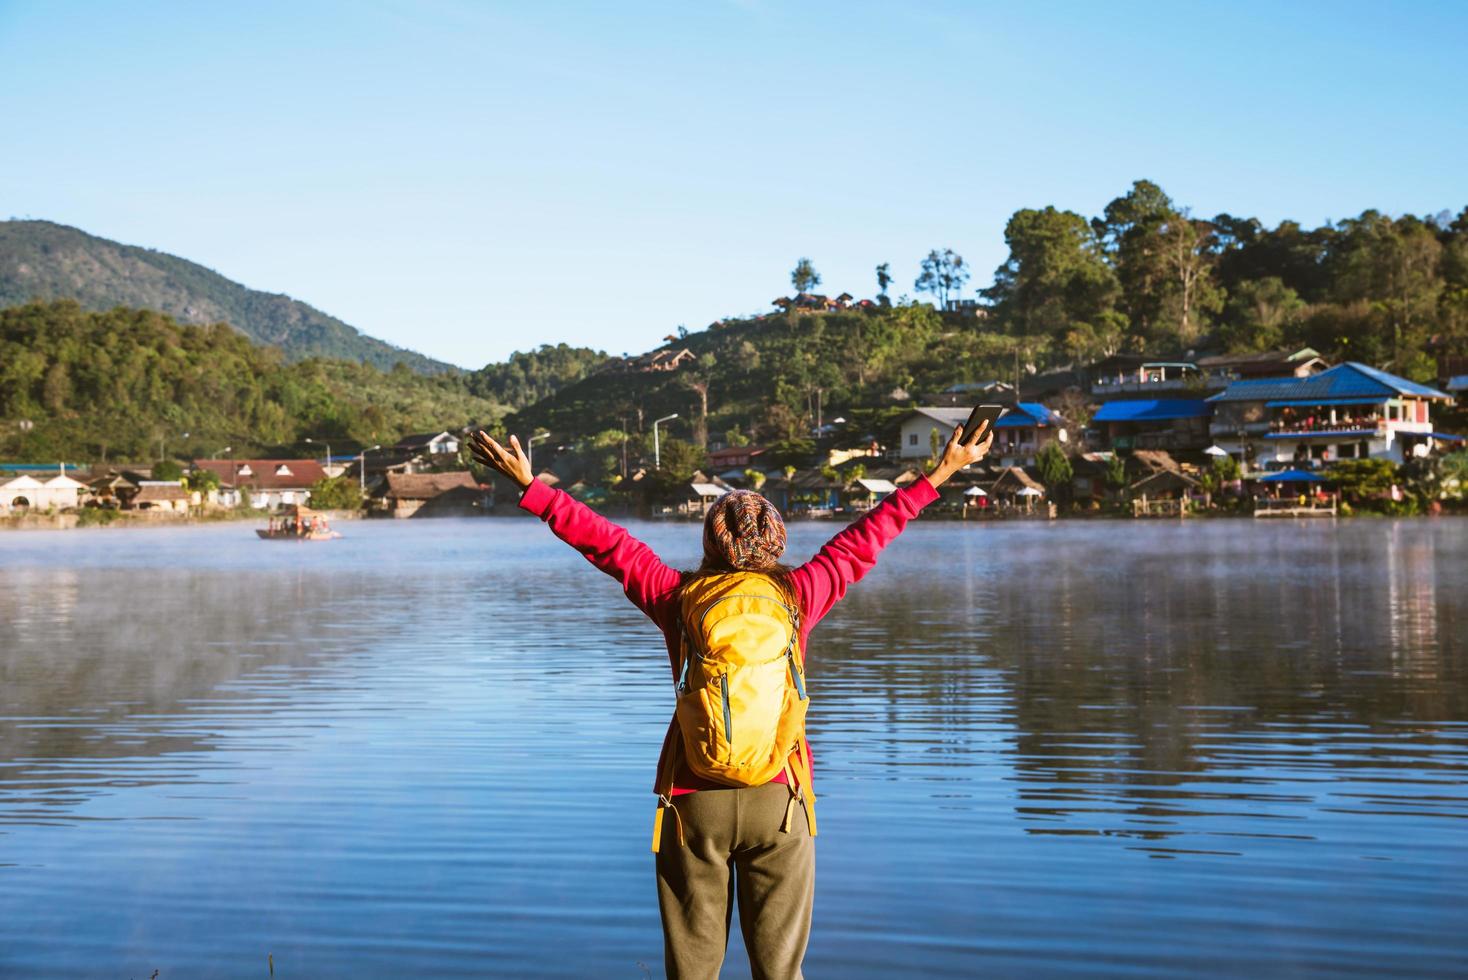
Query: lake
[1213, 748]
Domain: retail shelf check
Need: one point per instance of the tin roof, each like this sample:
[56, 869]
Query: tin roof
[1348, 380]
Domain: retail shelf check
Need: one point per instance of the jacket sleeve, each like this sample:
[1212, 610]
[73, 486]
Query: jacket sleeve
[644, 577]
[822, 581]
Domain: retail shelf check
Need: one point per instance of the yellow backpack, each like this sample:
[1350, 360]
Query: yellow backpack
[741, 694]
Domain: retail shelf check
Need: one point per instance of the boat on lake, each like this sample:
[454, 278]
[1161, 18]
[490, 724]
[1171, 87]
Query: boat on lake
[298, 523]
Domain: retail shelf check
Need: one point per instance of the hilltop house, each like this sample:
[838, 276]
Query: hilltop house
[812, 303]
[1350, 411]
[1018, 435]
[266, 483]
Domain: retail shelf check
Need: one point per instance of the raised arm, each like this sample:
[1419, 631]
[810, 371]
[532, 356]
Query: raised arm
[643, 576]
[822, 581]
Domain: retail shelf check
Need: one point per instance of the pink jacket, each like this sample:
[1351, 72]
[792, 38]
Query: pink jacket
[653, 586]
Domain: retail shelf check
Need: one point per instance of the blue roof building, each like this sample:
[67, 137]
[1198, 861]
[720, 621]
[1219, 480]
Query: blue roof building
[1168, 424]
[1351, 411]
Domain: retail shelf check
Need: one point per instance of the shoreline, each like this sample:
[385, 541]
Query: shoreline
[135, 520]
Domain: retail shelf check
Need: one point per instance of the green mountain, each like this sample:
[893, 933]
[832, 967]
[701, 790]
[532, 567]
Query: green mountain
[44, 260]
[136, 385]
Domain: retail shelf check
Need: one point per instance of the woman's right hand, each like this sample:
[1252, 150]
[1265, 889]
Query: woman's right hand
[960, 452]
[509, 460]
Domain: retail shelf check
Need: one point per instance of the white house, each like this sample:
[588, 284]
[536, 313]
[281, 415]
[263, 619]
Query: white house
[429, 444]
[1350, 411]
[27, 492]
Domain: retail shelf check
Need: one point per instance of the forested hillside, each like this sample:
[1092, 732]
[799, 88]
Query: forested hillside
[133, 384]
[43, 260]
[1148, 276]
[1144, 276]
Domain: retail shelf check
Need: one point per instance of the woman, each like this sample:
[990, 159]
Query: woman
[752, 840]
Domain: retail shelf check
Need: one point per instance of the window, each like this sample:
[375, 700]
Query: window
[1346, 450]
[912, 439]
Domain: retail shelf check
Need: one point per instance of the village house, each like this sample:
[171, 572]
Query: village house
[114, 488]
[1169, 424]
[660, 360]
[266, 484]
[455, 494]
[812, 303]
[29, 493]
[1134, 374]
[970, 393]
[428, 444]
[164, 496]
[1299, 362]
[807, 491]
[1350, 411]
[733, 458]
[1018, 435]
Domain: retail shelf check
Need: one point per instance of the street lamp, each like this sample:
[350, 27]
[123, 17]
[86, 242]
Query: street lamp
[657, 454]
[362, 466]
[328, 450]
[530, 451]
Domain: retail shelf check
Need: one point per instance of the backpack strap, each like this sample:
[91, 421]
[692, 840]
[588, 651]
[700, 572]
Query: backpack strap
[797, 776]
[664, 788]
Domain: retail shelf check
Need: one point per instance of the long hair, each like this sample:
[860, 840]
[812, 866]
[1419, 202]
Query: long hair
[743, 532]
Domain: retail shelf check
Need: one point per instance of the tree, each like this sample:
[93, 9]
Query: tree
[1163, 260]
[167, 469]
[1055, 277]
[201, 481]
[698, 379]
[680, 457]
[1362, 479]
[1258, 315]
[1055, 470]
[884, 279]
[804, 277]
[1129, 231]
[943, 274]
[336, 493]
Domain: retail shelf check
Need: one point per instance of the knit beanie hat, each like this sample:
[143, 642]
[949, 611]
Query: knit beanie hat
[743, 531]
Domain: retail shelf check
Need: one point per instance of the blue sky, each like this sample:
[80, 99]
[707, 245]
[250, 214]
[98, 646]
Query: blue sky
[468, 179]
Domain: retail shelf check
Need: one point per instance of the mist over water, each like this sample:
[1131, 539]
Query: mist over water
[1156, 749]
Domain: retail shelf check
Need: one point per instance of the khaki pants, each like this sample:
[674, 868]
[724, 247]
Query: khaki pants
[735, 847]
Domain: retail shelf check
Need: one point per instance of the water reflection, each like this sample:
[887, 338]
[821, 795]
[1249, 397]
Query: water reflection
[428, 749]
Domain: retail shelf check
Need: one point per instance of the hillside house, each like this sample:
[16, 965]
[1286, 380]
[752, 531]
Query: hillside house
[1169, 424]
[428, 444]
[1300, 362]
[1350, 411]
[661, 360]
